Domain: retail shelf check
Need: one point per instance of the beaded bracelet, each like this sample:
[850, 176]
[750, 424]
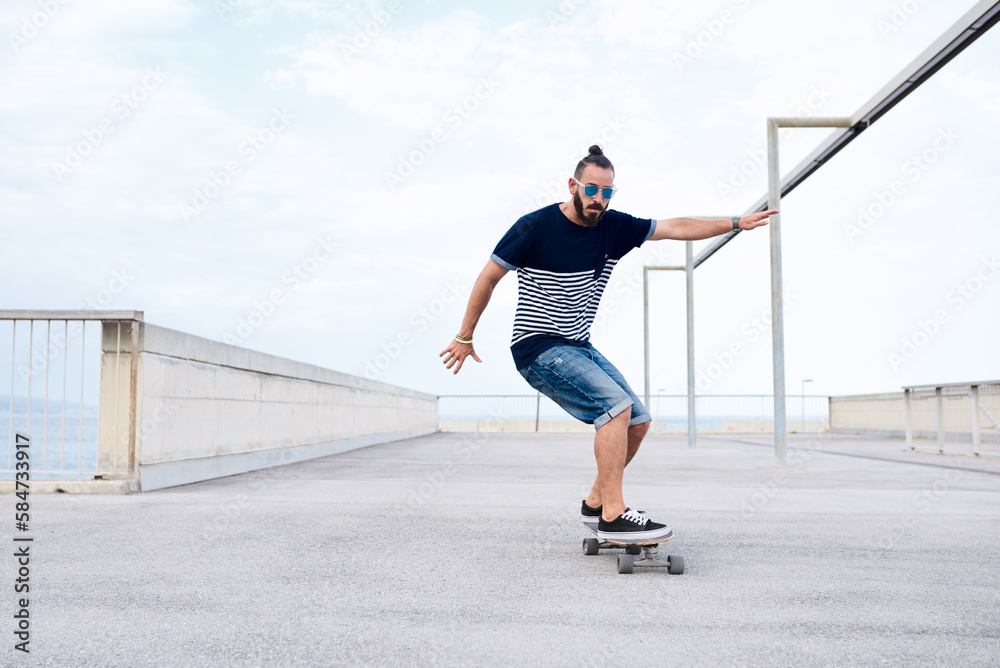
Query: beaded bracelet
[461, 340]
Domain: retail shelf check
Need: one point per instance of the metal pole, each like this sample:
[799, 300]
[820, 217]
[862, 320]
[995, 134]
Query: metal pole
[689, 274]
[940, 419]
[538, 408]
[777, 320]
[83, 356]
[976, 437]
[802, 429]
[45, 431]
[645, 334]
[13, 367]
[118, 376]
[908, 413]
[62, 450]
[31, 342]
[133, 399]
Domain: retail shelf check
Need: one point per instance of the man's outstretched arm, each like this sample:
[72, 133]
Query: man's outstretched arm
[693, 229]
[456, 352]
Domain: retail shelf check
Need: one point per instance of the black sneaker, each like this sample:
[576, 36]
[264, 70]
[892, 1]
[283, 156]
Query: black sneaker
[591, 516]
[631, 527]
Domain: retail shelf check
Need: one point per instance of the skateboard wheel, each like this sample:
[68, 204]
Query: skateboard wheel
[590, 546]
[625, 563]
[633, 549]
[676, 566]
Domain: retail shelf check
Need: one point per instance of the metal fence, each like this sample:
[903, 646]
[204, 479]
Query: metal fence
[715, 411]
[962, 412]
[56, 367]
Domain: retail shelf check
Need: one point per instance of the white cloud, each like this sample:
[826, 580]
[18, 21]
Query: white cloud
[677, 135]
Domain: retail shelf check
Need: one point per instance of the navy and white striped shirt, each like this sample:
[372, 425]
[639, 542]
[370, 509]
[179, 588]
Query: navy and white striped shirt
[562, 270]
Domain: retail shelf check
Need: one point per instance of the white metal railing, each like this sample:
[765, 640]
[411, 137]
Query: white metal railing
[670, 411]
[57, 460]
[982, 413]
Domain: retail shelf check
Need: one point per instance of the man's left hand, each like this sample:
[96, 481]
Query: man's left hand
[756, 219]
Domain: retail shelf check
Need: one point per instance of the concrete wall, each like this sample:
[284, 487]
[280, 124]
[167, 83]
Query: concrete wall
[207, 409]
[872, 414]
[884, 415]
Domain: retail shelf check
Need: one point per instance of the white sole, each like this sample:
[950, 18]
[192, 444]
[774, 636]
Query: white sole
[638, 537]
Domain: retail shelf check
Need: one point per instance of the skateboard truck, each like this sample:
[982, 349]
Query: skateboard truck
[627, 562]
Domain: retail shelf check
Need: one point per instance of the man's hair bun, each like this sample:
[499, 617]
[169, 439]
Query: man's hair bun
[595, 157]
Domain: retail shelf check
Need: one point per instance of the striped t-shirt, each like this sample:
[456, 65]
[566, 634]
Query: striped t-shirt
[562, 269]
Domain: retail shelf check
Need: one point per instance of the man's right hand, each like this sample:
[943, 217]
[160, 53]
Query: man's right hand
[455, 354]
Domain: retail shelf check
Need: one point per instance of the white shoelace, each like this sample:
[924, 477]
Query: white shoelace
[635, 517]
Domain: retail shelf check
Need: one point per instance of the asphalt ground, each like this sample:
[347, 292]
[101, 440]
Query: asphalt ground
[465, 549]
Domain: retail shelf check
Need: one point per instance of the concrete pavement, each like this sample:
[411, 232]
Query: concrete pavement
[464, 549]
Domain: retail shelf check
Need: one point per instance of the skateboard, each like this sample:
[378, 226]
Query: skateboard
[674, 563]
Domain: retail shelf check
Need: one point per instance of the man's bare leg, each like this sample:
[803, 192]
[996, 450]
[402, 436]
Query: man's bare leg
[635, 434]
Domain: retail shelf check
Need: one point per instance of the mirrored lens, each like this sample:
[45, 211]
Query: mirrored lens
[590, 190]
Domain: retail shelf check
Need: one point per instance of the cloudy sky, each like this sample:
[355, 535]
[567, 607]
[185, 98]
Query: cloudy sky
[324, 180]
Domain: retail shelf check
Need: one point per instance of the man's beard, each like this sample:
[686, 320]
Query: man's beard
[589, 217]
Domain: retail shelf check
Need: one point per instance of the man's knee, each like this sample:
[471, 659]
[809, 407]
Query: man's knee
[638, 431]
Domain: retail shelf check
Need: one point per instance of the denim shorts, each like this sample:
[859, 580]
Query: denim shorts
[585, 384]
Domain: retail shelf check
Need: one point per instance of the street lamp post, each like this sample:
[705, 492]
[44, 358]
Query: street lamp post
[807, 380]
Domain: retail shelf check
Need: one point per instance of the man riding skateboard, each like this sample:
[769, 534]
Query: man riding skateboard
[563, 255]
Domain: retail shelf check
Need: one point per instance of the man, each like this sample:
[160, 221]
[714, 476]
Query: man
[564, 255]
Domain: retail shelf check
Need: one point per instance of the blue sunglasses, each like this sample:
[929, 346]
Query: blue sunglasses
[590, 190]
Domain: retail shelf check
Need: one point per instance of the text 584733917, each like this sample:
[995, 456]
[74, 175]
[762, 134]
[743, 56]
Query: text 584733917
[22, 544]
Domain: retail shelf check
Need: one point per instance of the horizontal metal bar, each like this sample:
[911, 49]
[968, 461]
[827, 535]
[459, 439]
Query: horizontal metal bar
[71, 315]
[663, 268]
[983, 16]
[797, 122]
[660, 396]
[934, 386]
